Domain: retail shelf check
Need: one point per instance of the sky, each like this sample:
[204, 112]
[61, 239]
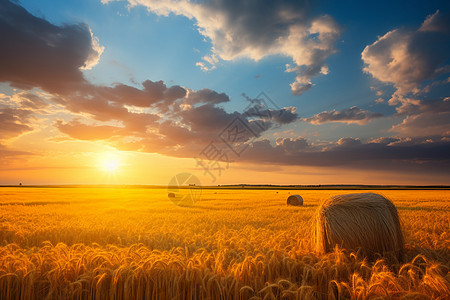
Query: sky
[256, 92]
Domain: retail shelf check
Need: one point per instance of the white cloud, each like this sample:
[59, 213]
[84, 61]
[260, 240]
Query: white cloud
[256, 29]
[209, 62]
[415, 62]
[94, 55]
[407, 58]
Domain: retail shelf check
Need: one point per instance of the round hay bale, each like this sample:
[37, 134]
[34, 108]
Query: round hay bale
[295, 200]
[365, 221]
[171, 195]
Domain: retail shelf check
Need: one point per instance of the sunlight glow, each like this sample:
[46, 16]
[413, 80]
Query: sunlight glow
[110, 163]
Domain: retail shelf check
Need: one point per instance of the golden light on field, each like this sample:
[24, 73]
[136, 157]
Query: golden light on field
[232, 244]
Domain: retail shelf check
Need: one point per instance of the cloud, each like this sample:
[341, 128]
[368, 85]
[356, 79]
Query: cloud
[430, 118]
[352, 115]
[256, 29]
[206, 96]
[309, 48]
[293, 145]
[209, 62]
[139, 122]
[206, 117]
[285, 115]
[151, 93]
[14, 122]
[207, 121]
[81, 131]
[105, 103]
[59, 53]
[29, 101]
[97, 107]
[415, 61]
[186, 132]
[17, 113]
[263, 109]
[407, 58]
[36, 53]
[6, 154]
[386, 153]
[180, 122]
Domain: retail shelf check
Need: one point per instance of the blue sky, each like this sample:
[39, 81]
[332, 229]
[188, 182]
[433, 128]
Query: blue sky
[153, 47]
[143, 41]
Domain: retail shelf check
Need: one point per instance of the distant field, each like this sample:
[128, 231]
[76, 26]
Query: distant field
[134, 243]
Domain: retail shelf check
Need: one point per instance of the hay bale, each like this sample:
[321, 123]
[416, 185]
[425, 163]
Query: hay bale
[171, 195]
[295, 200]
[364, 221]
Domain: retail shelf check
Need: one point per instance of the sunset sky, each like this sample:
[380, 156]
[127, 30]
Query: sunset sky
[279, 92]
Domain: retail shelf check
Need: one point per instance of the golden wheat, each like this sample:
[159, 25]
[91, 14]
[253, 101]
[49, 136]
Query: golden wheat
[99, 243]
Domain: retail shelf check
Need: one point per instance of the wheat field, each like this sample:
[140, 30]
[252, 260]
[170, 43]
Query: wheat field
[133, 243]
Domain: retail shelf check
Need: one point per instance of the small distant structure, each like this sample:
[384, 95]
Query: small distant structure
[171, 195]
[20, 183]
[191, 184]
[295, 200]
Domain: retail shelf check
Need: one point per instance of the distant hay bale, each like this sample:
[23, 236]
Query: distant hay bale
[364, 221]
[295, 200]
[171, 195]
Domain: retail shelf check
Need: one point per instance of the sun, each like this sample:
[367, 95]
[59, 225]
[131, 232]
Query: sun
[109, 163]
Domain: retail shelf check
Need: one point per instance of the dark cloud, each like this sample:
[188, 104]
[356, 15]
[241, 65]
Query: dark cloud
[206, 96]
[192, 129]
[262, 108]
[349, 152]
[87, 132]
[195, 117]
[290, 145]
[97, 107]
[134, 124]
[283, 115]
[109, 103]
[176, 134]
[31, 101]
[6, 154]
[179, 122]
[347, 142]
[425, 119]
[351, 115]
[206, 117]
[151, 93]
[173, 93]
[14, 122]
[139, 122]
[36, 53]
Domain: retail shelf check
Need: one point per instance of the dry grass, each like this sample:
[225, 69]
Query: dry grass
[135, 244]
[295, 200]
[367, 222]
